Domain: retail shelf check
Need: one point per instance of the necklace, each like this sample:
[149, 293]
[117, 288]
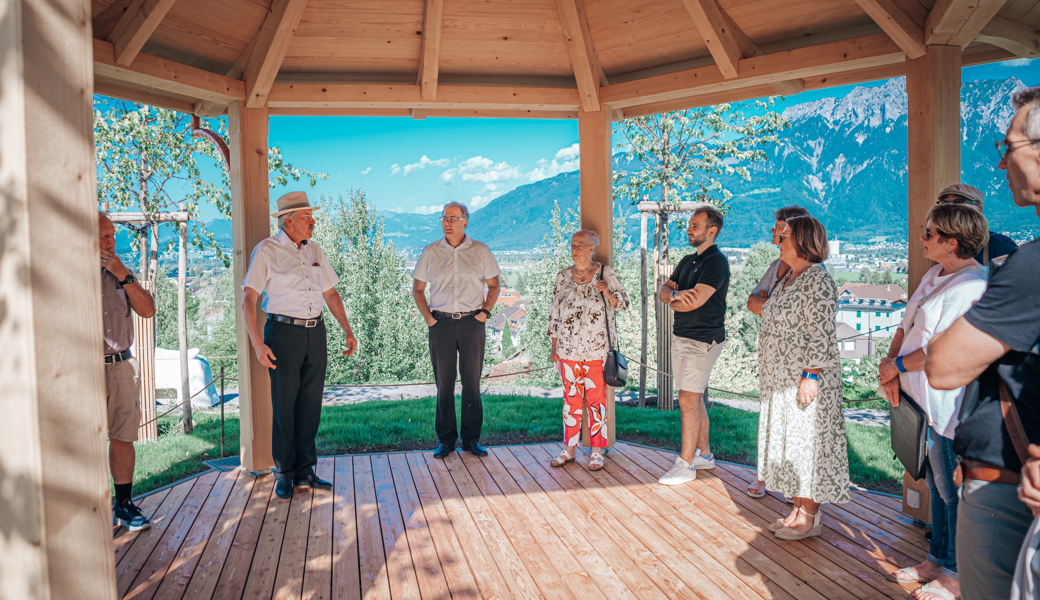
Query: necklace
[582, 276]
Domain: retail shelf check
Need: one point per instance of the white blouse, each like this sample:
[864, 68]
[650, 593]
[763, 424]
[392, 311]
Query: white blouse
[576, 316]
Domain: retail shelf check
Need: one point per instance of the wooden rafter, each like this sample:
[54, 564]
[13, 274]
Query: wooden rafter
[114, 89]
[717, 34]
[272, 42]
[419, 114]
[360, 95]
[430, 113]
[898, 24]
[1017, 38]
[135, 27]
[588, 73]
[161, 74]
[209, 110]
[429, 55]
[957, 22]
[749, 49]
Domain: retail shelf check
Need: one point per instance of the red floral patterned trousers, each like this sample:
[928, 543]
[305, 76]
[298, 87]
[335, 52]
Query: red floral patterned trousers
[583, 384]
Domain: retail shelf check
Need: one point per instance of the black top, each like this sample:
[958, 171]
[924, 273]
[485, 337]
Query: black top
[999, 245]
[708, 323]
[1010, 312]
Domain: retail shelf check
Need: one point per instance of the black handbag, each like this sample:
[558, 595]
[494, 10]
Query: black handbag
[910, 435]
[615, 368]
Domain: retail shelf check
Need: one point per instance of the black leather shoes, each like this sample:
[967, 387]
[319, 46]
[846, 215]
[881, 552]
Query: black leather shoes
[443, 450]
[314, 482]
[475, 449]
[284, 488]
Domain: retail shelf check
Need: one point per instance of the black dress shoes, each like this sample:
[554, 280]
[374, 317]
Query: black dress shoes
[443, 450]
[314, 482]
[284, 488]
[475, 449]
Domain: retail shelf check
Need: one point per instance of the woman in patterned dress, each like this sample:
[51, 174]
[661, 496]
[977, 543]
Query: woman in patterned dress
[578, 321]
[802, 448]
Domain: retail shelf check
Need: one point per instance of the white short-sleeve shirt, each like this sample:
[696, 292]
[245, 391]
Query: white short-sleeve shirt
[292, 280]
[456, 276]
[935, 315]
[769, 280]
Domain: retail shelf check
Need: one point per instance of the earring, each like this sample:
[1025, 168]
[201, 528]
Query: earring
[949, 254]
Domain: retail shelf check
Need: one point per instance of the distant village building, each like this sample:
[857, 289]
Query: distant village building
[517, 317]
[871, 308]
[853, 345]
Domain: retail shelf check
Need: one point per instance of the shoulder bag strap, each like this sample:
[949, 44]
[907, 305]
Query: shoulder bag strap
[1013, 422]
[606, 309]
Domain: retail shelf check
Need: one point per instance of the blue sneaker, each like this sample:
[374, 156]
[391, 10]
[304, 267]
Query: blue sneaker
[128, 515]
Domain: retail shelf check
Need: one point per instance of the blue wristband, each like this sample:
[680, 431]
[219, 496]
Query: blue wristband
[899, 364]
[808, 375]
[673, 294]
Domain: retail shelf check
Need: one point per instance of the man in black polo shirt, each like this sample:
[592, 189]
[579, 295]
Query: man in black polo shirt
[997, 341]
[696, 291]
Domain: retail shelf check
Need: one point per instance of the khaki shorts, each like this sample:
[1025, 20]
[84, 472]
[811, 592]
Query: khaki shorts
[124, 399]
[692, 362]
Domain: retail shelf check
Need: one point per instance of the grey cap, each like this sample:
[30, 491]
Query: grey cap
[965, 192]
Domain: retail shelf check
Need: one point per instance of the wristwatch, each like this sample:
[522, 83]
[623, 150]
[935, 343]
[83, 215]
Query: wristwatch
[129, 279]
[486, 312]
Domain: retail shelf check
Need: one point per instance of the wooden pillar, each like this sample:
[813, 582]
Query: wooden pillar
[933, 88]
[597, 205]
[251, 223]
[55, 507]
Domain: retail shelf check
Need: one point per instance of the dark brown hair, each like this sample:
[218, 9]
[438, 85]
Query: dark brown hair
[809, 237]
[785, 213]
[963, 223]
[714, 217]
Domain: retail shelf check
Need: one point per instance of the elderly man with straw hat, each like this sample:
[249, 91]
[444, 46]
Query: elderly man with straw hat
[296, 281]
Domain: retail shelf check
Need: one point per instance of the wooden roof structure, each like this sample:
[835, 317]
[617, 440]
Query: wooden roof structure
[591, 60]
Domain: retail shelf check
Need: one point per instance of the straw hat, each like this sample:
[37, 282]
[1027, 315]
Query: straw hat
[292, 202]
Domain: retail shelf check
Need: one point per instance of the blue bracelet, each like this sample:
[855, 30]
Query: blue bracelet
[899, 364]
[674, 292]
[808, 375]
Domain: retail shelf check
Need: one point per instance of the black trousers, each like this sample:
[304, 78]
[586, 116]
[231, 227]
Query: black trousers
[297, 384]
[458, 343]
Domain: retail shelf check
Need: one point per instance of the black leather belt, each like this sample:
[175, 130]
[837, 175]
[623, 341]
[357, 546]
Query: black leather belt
[308, 323]
[118, 357]
[437, 314]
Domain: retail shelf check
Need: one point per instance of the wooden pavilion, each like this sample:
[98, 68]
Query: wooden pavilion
[596, 61]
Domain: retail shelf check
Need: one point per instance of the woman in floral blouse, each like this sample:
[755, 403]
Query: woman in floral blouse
[578, 327]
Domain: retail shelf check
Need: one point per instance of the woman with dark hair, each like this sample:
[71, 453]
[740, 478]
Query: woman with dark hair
[764, 289]
[802, 448]
[953, 235]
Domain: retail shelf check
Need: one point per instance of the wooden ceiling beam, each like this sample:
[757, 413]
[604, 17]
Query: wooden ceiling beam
[135, 26]
[588, 73]
[429, 55]
[865, 52]
[160, 74]
[431, 113]
[904, 30]
[957, 22]
[120, 91]
[718, 35]
[350, 95]
[1017, 38]
[749, 49]
[272, 42]
[419, 114]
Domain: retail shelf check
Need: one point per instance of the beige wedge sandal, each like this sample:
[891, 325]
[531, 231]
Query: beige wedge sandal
[791, 535]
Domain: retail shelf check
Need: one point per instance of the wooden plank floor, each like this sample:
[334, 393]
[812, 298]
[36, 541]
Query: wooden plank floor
[405, 525]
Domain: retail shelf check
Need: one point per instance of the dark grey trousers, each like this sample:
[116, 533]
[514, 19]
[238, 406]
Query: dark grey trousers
[297, 384]
[458, 343]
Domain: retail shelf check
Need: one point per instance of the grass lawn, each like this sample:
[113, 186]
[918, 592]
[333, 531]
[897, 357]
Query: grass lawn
[381, 426]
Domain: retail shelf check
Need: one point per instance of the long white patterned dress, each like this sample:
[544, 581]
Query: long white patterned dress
[802, 450]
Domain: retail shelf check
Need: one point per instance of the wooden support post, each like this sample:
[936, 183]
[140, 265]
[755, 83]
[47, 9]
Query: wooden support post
[644, 294]
[251, 223]
[182, 320]
[665, 318]
[597, 206]
[933, 87]
[55, 507]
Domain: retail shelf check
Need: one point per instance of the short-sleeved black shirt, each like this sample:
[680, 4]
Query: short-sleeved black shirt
[1009, 311]
[708, 323]
[999, 245]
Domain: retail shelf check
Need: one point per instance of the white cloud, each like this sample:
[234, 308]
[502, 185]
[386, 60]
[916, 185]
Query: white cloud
[367, 171]
[566, 160]
[483, 170]
[569, 153]
[1018, 62]
[428, 210]
[425, 162]
[395, 169]
[449, 175]
[485, 196]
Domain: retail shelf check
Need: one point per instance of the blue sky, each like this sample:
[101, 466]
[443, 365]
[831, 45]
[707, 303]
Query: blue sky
[416, 166]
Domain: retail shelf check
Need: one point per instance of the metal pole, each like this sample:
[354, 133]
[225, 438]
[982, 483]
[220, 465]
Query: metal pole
[221, 411]
[182, 322]
[645, 294]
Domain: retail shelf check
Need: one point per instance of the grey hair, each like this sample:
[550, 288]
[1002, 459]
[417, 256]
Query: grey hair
[103, 215]
[282, 218]
[591, 234]
[462, 207]
[1030, 96]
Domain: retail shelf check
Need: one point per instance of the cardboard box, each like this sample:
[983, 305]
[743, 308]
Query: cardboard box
[917, 501]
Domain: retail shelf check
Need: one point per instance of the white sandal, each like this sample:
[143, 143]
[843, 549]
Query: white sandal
[595, 461]
[562, 459]
[793, 535]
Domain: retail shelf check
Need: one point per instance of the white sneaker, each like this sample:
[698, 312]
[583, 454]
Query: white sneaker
[699, 462]
[679, 473]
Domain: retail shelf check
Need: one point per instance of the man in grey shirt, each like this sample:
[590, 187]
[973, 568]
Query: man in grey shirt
[457, 268]
[120, 293]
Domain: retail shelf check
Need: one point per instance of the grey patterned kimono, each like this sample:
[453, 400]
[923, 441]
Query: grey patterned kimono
[802, 450]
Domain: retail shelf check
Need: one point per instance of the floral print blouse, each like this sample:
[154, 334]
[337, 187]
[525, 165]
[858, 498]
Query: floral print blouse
[576, 316]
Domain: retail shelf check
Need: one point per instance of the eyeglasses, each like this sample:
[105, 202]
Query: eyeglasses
[580, 246]
[1004, 148]
[452, 219]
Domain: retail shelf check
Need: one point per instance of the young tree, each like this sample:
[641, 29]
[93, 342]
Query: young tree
[148, 161]
[507, 341]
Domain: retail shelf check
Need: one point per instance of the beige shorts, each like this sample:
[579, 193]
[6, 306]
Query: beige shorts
[692, 362]
[124, 399]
